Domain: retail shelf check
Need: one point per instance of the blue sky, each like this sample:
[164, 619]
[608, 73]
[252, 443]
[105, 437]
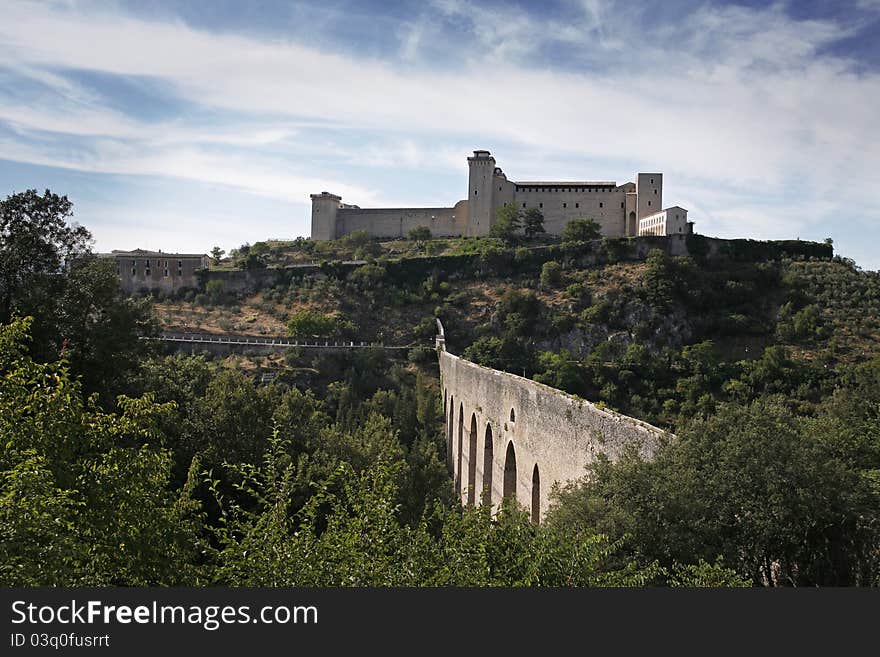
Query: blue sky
[181, 125]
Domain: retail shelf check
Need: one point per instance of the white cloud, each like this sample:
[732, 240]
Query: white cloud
[257, 175]
[733, 97]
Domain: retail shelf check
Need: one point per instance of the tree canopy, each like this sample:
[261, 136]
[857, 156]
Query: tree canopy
[508, 220]
[48, 273]
[581, 230]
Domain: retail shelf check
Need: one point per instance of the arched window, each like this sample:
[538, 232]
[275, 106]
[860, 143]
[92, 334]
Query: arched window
[536, 495]
[488, 466]
[510, 472]
[472, 462]
[512, 415]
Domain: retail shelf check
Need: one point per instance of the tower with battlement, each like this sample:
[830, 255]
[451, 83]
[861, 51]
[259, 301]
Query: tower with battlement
[481, 207]
[324, 208]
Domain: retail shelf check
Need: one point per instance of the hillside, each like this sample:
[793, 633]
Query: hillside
[654, 336]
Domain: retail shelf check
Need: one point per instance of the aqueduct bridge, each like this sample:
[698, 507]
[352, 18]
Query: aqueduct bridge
[508, 436]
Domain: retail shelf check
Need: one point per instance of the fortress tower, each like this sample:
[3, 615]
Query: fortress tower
[649, 187]
[481, 209]
[324, 208]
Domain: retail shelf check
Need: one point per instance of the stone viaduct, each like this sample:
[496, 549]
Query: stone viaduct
[508, 436]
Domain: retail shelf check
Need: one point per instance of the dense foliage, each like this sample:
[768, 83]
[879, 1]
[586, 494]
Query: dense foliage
[122, 467]
[47, 272]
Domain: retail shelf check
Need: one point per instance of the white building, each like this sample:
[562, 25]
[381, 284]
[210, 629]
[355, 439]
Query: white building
[671, 221]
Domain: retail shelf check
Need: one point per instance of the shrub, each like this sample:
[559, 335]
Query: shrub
[420, 355]
[310, 324]
[551, 274]
[215, 291]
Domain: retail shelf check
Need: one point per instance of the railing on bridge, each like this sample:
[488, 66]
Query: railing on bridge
[208, 338]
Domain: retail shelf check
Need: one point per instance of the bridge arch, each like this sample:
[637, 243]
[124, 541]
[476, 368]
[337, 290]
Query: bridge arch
[450, 434]
[472, 462]
[510, 472]
[536, 495]
[458, 451]
[488, 466]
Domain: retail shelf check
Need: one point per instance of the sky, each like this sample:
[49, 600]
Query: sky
[181, 125]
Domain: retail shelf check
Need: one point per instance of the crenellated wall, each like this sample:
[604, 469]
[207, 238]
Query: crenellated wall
[502, 429]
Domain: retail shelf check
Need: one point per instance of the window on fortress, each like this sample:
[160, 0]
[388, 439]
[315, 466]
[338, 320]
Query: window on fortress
[166, 274]
[649, 202]
[652, 181]
[621, 204]
[564, 205]
[655, 191]
[601, 205]
[499, 189]
[577, 205]
[540, 205]
[475, 192]
[524, 205]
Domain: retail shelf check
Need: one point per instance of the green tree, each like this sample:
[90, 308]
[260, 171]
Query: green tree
[217, 254]
[215, 290]
[533, 222]
[420, 235]
[85, 496]
[581, 230]
[753, 485]
[350, 533]
[551, 274]
[508, 220]
[98, 329]
[47, 272]
[311, 324]
[36, 244]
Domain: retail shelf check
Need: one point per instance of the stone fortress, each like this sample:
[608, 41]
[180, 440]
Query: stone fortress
[626, 210]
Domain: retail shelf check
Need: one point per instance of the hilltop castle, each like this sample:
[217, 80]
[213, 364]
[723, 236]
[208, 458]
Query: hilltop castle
[623, 210]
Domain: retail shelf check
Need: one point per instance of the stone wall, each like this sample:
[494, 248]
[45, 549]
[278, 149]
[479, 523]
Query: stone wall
[397, 222]
[494, 419]
[561, 204]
